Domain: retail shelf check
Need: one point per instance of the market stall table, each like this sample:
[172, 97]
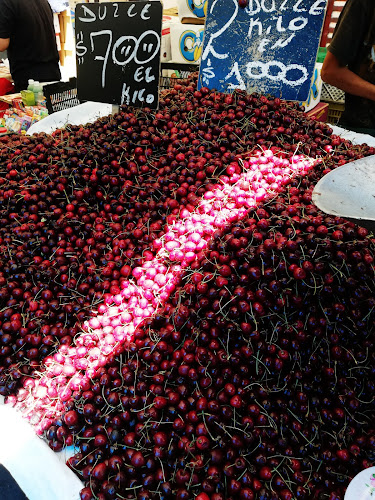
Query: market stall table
[205, 227]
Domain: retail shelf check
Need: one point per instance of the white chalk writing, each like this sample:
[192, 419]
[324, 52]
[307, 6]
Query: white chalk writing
[209, 48]
[268, 29]
[128, 97]
[125, 49]
[236, 73]
[105, 45]
[268, 6]
[112, 10]
[258, 70]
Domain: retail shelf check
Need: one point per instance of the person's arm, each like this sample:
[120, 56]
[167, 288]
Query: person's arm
[341, 77]
[4, 44]
[7, 20]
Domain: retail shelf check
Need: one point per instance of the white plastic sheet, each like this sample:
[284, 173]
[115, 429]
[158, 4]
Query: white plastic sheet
[82, 114]
[354, 136]
[41, 473]
[349, 191]
[363, 486]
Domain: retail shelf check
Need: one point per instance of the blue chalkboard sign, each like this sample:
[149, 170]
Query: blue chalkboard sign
[118, 52]
[270, 46]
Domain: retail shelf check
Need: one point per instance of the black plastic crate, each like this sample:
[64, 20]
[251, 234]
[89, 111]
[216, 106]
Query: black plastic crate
[182, 70]
[167, 82]
[61, 95]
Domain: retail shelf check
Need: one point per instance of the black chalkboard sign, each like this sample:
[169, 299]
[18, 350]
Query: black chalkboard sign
[118, 52]
[270, 46]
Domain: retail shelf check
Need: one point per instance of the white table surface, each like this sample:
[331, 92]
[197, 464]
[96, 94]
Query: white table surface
[40, 472]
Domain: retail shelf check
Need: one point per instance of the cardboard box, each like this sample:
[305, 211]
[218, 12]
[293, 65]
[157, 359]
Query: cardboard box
[315, 89]
[165, 44]
[186, 43]
[320, 112]
[166, 49]
[192, 11]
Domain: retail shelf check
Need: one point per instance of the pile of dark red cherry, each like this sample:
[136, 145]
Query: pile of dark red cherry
[174, 305]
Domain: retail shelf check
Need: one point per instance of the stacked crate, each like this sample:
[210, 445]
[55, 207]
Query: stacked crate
[336, 102]
[330, 94]
[334, 8]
